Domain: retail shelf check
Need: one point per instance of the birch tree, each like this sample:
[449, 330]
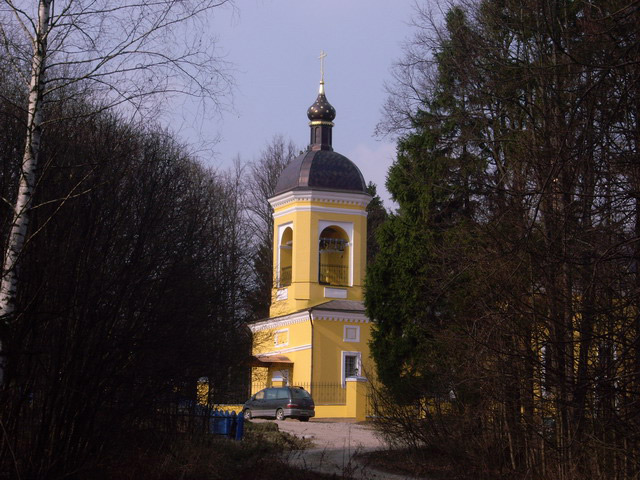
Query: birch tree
[129, 293]
[125, 53]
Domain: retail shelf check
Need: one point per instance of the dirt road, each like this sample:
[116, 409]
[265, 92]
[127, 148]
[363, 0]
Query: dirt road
[335, 444]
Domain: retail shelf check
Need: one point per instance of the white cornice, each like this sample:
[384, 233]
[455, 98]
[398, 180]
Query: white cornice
[340, 316]
[303, 316]
[284, 350]
[341, 198]
[278, 322]
[314, 208]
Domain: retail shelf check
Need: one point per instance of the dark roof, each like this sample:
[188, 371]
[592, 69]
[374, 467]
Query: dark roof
[355, 306]
[341, 306]
[322, 169]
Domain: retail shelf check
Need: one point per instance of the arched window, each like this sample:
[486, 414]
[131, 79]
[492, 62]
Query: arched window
[333, 257]
[286, 248]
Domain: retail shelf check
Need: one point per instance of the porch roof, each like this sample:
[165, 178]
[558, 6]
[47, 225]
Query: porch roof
[267, 360]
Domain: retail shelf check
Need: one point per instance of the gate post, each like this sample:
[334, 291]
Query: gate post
[357, 398]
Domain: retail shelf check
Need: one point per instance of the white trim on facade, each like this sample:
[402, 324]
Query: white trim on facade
[280, 322]
[285, 350]
[315, 208]
[303, 316]
[282, 294]
[275, 337]
[281, 230]
[356, 379]
[358, 356]
[281, 376]
[335, 292]
[355, 338]
[343, 198]
[340, 316]
[348, 229]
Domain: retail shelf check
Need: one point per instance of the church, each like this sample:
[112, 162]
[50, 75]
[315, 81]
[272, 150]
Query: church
[317, 334]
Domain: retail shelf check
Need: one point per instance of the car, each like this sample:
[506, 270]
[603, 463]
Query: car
[280, 403]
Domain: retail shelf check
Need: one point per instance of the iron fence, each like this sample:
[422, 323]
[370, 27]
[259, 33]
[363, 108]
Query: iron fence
[327, 393]
[322, 393]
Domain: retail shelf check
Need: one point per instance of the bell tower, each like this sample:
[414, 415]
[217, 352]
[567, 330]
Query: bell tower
[320, 222]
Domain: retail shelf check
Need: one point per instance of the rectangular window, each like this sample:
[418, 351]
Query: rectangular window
[281, 376]
[351, 365]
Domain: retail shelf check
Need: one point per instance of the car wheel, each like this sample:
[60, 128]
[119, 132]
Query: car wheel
[303, 419]
[247, 414]
[279, 414]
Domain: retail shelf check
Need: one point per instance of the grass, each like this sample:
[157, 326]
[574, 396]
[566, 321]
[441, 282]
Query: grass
[261, 455]
[429, 463]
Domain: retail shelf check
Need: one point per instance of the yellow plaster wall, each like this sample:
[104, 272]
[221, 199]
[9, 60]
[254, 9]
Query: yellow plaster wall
[329, 345]
[305, 291]
[331, 411]
[299, 334]
[299, 337]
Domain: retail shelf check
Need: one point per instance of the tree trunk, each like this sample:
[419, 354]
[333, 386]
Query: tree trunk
[18, 232]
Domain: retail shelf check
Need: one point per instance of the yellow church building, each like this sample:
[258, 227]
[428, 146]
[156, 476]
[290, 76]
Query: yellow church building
[317, 335]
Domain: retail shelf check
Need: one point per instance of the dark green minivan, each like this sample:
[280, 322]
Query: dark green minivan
[280, 403]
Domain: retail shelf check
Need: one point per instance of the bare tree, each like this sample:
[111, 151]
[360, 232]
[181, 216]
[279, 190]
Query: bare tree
[129, 293]
[262, 182]
[123, 52]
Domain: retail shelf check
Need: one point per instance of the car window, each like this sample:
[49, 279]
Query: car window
[260, 395]
[299, 393]
[271, 393]
[283, 393]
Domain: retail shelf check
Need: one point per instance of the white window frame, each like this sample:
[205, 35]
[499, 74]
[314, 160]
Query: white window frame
[358, 356]
[345, 338]
[275, 337]
[281, 376]
[348, 229]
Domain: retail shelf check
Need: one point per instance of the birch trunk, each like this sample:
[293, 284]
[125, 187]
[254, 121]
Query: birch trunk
[17, 235]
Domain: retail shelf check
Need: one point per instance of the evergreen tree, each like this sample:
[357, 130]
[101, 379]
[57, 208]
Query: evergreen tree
[504, 287]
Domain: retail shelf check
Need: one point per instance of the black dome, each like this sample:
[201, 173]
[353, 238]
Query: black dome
[321, 169]
[321, 110]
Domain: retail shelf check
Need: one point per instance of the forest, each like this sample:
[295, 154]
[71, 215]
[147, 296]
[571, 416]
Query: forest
[506, 288]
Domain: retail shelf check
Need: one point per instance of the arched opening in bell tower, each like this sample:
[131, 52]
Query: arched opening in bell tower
[333, 257]
[286, 248]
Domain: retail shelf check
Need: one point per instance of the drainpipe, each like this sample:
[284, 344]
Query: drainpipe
[311, 373]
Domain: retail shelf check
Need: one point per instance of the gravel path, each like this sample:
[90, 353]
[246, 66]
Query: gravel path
[335, 444]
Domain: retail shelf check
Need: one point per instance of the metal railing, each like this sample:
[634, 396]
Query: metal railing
[331, 274]
[285, 277]
[322, 393]
[326, 393]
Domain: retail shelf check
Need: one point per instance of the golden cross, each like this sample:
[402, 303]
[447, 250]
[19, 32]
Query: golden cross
[321, 57]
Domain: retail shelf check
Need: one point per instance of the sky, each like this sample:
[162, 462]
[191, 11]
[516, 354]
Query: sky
[274, 47]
